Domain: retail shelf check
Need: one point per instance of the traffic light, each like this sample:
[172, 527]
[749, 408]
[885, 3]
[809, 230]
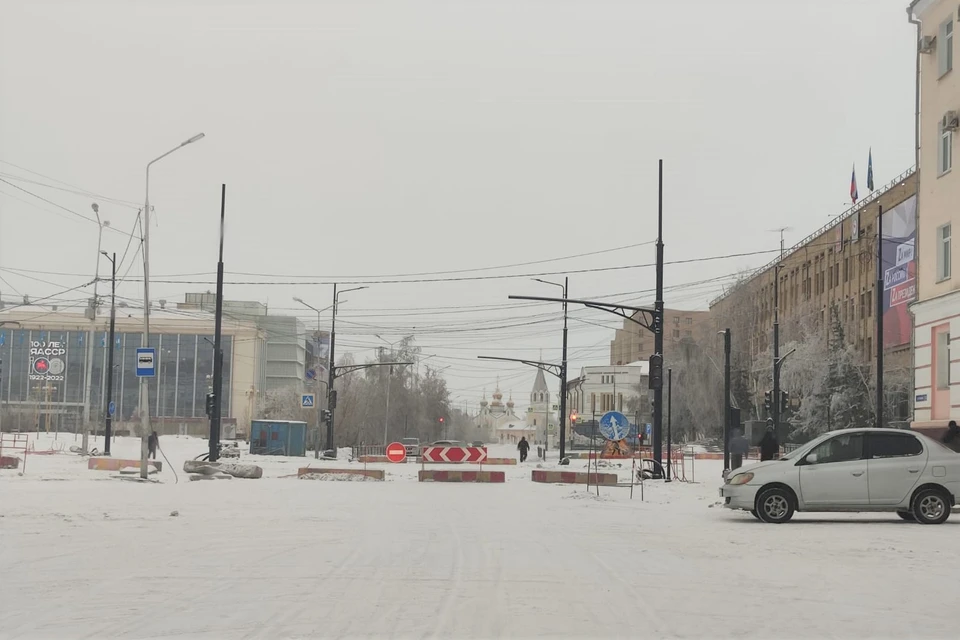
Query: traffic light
[573, 417]
[656, 323]
[656, 371]
[768, 401]
[325, 416]
[441, 419]
[211, 401]
[784, 401]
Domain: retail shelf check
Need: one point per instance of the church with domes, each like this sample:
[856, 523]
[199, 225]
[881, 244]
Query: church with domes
[497, 416]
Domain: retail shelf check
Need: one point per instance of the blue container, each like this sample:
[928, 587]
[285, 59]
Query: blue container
[278, 438]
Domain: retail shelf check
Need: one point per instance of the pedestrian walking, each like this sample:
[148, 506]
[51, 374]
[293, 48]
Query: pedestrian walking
[524, 447]
[153, 441]
[769, 446]
[739, 446]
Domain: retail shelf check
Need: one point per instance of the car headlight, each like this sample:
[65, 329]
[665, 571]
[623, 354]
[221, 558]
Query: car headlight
[741, 478]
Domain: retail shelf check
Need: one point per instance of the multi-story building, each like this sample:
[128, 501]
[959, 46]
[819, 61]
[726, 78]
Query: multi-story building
[52, 392]
[831, 276]
[286, 358]
[633, 343]
[936, 313]
[605, 388]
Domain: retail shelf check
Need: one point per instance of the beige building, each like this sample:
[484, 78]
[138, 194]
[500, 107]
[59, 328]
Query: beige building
[936, 313]
[633, 342]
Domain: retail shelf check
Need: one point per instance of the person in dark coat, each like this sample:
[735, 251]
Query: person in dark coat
[153, 441]
[524, 447]
[952, 437]
[739, 446]
[769, 446]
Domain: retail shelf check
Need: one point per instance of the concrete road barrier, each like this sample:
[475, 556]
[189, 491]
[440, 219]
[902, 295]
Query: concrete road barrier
[9, 462]
[573, 477]
[500, 461]
[376, 474]
[429, 475]
[115, 464]
[373, 459]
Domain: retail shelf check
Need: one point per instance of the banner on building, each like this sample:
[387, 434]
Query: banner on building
[855, 227]
[899, 271]
[838, 236]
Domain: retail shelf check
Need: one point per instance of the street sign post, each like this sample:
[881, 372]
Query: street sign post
[307, 401]
[396, 452]
[146, 362]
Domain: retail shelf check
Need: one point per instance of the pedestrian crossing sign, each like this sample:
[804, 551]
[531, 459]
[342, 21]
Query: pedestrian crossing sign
[306, 400]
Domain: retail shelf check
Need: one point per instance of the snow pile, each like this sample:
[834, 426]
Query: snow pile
[338, 477]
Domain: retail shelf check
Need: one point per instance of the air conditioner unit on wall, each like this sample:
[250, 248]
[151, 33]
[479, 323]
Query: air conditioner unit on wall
[950, 121]
[926, 44]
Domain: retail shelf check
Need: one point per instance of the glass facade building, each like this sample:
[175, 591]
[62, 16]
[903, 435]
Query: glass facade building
[184, 366]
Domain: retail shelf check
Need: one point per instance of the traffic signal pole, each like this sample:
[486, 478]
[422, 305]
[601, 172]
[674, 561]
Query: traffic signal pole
[217, 348]
[658, 334]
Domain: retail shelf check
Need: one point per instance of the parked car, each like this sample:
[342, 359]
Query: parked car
[412, 445]
[447, 443]
[478, 443]
[852, 470]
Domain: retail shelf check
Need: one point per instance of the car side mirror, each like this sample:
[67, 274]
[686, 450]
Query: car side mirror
[812, 458]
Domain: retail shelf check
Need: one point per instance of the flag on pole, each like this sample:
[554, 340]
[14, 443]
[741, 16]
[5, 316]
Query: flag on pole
[854, 194]
[870, 170]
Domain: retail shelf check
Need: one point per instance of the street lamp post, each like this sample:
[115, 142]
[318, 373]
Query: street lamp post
[563, 368]
[386, 415]
[145, 338]
[331, 392]
[316, 449]
[108, 426]
[92, 315]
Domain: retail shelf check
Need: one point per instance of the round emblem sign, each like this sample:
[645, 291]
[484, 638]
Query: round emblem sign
[56, 366]
[41, 366]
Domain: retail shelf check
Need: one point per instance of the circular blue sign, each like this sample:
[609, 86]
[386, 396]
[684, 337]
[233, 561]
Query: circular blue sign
[112, 407]
[614, 426]
[311, 374]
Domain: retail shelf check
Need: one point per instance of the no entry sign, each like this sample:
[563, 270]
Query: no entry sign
[396, 452]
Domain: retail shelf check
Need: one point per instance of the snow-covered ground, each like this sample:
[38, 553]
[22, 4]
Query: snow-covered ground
[83, 554]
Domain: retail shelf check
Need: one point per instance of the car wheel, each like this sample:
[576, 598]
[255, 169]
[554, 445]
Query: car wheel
[775, 506]
[906, 515]
[931, 506]
[754, 513]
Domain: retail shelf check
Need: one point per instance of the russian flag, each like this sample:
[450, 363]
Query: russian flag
[854, 194]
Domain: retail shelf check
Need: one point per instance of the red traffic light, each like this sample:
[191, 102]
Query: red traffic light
[441, 419]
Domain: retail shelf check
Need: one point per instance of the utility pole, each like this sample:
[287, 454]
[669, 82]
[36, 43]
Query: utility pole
[331, 393]
[879, 338]
[108, 427]
[775, 404]
[217, 348]
[563, 367]
[658, 334]
[726, 398]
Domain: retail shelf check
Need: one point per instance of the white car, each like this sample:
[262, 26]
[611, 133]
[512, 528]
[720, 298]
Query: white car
[852, 470]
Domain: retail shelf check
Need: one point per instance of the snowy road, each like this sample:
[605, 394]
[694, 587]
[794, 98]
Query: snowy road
[277, 558]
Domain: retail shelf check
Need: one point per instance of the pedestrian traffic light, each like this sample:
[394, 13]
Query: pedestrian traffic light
[211, 401]
[656, 371]
[325, 416]
[784, 401]
[768, 400]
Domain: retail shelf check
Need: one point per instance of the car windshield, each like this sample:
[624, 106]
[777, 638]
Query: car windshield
[803, 449]
[410, 441]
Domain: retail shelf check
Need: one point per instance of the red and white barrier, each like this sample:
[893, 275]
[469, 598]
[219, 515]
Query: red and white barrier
[454, 455]
[430, 475]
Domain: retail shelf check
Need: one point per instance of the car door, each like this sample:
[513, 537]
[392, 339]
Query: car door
[896, 461]
[834, 473]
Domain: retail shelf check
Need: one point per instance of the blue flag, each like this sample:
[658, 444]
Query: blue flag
[870, 170]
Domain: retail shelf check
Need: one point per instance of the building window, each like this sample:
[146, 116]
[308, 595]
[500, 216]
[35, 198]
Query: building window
[943, 360]
[945, 47]
[688, 320]
[676, 320]
[945, 152]
[846, 269]
[676, 333]
[943, 253]
[869, 304]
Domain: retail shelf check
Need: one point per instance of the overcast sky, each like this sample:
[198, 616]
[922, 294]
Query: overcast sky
[380, 139]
